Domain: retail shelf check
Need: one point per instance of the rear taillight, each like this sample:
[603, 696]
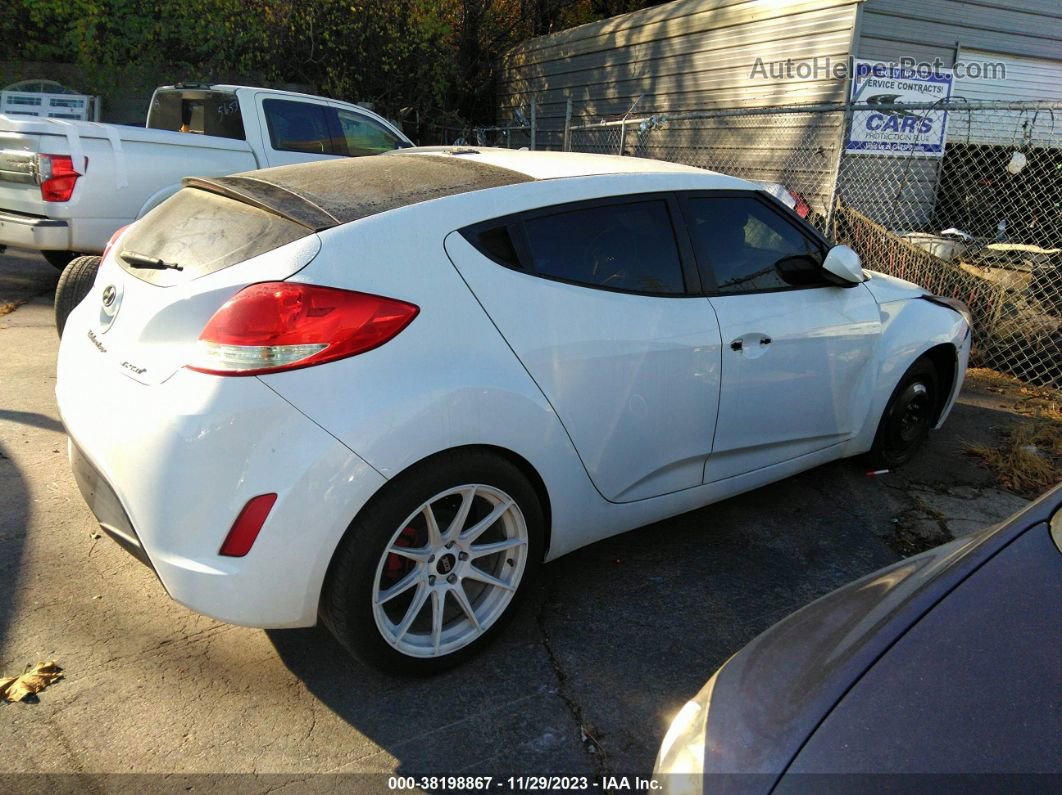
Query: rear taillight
[57, 177]
[266, 328]
[111, 242]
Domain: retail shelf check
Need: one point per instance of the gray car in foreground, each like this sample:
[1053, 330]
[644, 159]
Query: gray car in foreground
[947, 664]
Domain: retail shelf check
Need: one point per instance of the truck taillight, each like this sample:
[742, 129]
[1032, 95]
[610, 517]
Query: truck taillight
[275, 326]
[57, 177]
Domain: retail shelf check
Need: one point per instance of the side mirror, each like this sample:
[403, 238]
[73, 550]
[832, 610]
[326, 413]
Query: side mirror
[844, 263]
[800, 270]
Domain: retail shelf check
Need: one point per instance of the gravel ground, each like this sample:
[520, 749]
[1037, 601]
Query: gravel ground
[616, 638]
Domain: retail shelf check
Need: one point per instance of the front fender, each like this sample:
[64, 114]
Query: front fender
[909, 329]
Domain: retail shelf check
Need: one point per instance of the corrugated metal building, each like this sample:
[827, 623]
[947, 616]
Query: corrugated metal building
[699, 54]
[702, 55]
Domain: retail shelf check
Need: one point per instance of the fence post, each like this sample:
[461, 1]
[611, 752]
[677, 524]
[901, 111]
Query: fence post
[534, 121]
[567, 143]
[623, 135]
[846, 120]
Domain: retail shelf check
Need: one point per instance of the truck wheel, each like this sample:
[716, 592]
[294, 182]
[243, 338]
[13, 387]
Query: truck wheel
[75, 283]
[59, 259]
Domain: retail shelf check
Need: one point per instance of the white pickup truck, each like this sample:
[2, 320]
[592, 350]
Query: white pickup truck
[67, 186]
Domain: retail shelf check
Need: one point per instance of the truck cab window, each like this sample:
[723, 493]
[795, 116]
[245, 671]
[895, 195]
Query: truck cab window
[192, 116]
[198, 111]
[364, 135]
[299, 127]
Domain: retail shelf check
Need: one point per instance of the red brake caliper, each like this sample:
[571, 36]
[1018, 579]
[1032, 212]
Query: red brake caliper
[397, 566]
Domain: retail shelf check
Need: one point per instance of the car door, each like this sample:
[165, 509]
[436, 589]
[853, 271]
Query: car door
[298, 130]
[603, 308]
[796, 348]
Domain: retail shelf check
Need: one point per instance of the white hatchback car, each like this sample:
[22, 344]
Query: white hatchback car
[382, 391]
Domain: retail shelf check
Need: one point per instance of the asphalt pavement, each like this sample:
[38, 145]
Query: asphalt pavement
[615, 639]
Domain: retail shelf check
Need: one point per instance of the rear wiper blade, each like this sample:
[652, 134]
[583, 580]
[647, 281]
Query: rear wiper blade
[143, 261]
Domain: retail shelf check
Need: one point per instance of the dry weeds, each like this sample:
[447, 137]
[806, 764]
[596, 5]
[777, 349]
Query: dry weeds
[1028, 460]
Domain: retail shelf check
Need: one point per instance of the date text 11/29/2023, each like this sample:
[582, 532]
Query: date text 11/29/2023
[523, 783]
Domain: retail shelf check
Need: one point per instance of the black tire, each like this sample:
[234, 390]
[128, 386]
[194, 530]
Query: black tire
[59, 259]
[346, 600]
[908, 417]
[75, 283]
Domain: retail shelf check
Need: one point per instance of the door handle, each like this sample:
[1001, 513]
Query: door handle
[737, 345]
[765, 340]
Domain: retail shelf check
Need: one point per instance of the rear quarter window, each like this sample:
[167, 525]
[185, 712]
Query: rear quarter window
[204, 233]
[495, 241]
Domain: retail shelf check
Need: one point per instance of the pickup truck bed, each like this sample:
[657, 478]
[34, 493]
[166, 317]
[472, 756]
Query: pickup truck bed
[67, 186]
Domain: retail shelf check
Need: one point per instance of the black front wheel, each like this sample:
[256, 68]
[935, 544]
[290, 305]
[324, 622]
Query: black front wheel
[908, 416]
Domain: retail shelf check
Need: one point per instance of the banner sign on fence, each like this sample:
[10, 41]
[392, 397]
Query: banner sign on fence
[894, 130]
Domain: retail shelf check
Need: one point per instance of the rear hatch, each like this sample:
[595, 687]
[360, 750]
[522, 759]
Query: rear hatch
[164, 278]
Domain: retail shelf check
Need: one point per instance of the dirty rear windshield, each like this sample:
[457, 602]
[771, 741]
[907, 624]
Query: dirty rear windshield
[203, 233]
[197, 111]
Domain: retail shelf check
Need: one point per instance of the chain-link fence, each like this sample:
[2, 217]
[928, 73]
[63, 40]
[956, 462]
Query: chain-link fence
[507, 137]
[976, 215]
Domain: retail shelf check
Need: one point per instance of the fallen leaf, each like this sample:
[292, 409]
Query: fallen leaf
[17, 688]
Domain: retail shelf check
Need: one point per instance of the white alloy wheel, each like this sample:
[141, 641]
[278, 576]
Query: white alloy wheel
[450, 570]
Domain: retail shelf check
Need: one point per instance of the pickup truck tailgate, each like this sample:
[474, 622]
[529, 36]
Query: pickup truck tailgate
[19, 190]
[122, 173]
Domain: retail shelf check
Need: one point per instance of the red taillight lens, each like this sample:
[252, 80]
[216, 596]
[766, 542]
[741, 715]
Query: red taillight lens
[110, 243]
[247, 526]
[57, 177]
[277, 326]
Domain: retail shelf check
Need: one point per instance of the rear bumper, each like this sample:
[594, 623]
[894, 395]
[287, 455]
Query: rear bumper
[105, 505]
[33, 232]
[167, 468]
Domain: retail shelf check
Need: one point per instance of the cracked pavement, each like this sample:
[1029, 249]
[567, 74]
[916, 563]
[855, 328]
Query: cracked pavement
[611, 643]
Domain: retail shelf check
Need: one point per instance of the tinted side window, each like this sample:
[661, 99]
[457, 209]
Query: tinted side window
[618, 246]
[749, 246]
[365, 136]
[298, 127]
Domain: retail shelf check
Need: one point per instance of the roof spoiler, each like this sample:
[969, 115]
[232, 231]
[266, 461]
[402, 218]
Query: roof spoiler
[269, 197]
